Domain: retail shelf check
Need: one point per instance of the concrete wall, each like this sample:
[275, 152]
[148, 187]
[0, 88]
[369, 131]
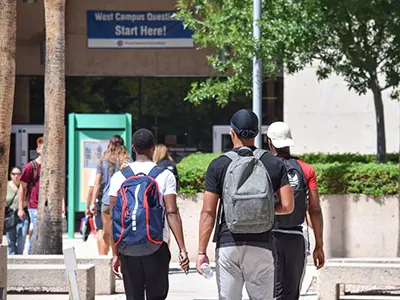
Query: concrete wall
[355, 226]
[326, 117]
[3, 272]
[106, 62]
[361, 226]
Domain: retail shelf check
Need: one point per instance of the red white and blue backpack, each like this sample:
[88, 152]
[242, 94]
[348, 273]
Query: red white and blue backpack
[138, 216]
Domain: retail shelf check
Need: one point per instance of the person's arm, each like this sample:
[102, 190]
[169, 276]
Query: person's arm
[316, 218]
[96, 189]
[308, 219]
[318, 227]
[89, 199]
[26, 177]
[207, 220]
[314, 211]
[172, 212]
[113, 200]
[174, 220]
[91, 183]
[285, 205]
[22, 193]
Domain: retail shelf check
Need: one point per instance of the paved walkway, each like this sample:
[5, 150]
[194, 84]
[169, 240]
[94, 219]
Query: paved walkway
[182, 287]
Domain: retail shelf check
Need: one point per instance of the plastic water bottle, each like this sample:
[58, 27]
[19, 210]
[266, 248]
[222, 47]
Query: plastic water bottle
[206, 270]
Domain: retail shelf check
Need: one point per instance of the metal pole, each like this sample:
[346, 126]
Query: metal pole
[257, 72]
[140, 103]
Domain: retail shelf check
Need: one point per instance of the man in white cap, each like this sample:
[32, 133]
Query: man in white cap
[291, 246]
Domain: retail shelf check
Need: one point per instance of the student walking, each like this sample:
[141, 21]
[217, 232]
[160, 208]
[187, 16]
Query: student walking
[102, 247]
[244, 181]
[113, 159]
[290, 243]
[143, 205]
[16, 229]
[29, 190]
[164, 160]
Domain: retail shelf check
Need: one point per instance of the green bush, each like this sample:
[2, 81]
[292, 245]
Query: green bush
[357, 178]
[347, 174]
[192, 172]
[323, 158]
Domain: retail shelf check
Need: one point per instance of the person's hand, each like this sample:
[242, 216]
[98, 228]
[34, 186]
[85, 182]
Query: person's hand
[319, 257]
[116, 266]
[21, 214]
[184, 261]
[93, 209]
[201, 259]
[88, 211]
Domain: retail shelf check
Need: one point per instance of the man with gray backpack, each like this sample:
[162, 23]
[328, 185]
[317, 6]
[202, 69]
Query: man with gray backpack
[244, 180]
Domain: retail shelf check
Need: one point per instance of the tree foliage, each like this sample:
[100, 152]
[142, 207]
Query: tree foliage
[357, 39]
[361, 42]
[353, 38]
[226, 27]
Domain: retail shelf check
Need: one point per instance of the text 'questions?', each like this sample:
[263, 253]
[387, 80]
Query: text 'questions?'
[136, 30]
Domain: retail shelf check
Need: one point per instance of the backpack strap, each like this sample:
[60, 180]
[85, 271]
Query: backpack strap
[218, 221]
[34, 169]
[156, 171]
[232, 155]
[258, 153]
[127, 172]
[35, 172]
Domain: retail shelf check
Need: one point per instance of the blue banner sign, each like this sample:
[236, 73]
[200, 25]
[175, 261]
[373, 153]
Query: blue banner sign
[122, 29]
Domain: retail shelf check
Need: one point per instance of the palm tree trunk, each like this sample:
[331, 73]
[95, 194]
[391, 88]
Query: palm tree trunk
[8, 30]
[48, 233]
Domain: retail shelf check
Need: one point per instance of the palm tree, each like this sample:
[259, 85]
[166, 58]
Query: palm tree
[8, 29]
[48, 233]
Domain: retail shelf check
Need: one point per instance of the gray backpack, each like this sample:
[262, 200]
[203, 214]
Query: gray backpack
[248, 194]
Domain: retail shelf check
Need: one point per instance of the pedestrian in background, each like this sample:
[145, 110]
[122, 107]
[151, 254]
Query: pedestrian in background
[114, 158]
[16, 228]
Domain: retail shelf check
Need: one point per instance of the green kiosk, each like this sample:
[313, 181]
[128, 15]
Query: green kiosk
[88, 136]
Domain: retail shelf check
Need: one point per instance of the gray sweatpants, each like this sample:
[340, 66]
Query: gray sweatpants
[239, 265]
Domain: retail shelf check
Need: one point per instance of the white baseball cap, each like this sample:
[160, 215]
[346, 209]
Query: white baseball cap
[280, 135]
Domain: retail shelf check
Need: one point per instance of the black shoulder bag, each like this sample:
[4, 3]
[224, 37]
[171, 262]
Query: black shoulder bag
[11, 217]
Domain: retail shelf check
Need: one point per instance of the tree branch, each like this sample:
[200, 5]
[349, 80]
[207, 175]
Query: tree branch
[387, 86]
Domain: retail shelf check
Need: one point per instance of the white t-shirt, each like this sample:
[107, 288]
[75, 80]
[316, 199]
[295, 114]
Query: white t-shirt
[166, 184]
[92, 178]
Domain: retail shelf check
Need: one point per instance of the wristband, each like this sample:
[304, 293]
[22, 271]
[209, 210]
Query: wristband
[202, 253]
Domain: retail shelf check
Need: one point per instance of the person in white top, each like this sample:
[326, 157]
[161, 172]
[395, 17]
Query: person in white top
[95, 212]
[145, 270]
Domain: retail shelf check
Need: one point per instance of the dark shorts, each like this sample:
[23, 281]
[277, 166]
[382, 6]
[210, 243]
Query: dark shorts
[289, 265]
[146, 274]
[98, 222]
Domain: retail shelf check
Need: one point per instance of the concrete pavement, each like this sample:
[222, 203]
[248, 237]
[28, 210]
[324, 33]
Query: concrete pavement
[182, 287]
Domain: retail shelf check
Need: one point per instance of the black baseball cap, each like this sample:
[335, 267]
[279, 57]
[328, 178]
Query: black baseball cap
[245, 123]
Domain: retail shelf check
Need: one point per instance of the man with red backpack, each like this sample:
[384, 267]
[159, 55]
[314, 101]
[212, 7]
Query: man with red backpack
[29, 189]
[143, 206]
[290, 241]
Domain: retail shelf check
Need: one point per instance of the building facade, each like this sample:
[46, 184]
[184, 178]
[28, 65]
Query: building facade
[325, 116]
